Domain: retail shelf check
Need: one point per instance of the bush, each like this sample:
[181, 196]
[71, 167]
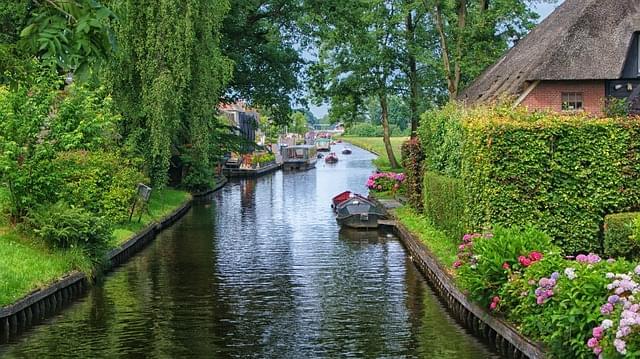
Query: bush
[619, 238]
[363, 129]
[386, 182]
[62, 226]
[486, 261]
[442, 137]
[412, 162]
[444, 203]
[560, 173]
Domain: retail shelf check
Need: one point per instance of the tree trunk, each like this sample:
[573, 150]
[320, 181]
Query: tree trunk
[462, 23]
[385, 131]
[413, 74]
[446, 62]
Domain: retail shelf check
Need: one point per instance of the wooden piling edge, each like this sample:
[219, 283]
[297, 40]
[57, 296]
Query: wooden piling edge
[501, 336]
[45, 302]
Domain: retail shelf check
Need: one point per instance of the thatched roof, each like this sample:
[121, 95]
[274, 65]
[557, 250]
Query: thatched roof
[580, 40]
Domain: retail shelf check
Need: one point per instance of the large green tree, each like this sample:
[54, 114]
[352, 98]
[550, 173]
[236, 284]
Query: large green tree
[168, 76]
[263, 38]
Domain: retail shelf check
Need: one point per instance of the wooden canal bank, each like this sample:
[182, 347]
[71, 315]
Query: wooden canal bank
[46, 302]
[501, 336]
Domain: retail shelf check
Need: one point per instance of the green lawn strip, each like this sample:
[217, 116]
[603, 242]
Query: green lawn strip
[438, 242]
[162, 203]
[27, 265]
[376, 145]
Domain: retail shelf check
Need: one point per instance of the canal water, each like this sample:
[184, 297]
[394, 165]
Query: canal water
[261, 270]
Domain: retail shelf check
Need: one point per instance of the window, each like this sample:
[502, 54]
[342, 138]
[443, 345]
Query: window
[572, 101]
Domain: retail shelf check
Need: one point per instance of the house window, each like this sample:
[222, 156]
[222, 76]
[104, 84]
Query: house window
[572, 101]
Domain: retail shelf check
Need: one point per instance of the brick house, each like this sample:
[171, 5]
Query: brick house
[583, 53]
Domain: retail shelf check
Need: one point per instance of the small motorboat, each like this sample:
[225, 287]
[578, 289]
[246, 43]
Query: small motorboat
[346, 151]
[331, 158]
[358, 212]
[339, 141]
[320, 155]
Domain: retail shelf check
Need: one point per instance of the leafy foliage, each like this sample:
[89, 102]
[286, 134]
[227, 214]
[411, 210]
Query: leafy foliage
[62, 226]
[167, 78]
[412, 161]
[442, 137]
[444, 203]
[619, 235]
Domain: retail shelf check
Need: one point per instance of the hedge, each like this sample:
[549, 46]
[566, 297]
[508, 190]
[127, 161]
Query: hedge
[562, 174]
[619, 238]
[444, 203]
[412, 162]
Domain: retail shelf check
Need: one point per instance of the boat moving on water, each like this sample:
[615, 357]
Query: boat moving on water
[331, 158]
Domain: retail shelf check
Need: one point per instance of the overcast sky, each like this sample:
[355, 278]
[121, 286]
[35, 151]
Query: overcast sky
[543, 9]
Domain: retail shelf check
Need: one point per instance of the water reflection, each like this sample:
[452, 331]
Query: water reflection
[261, 270]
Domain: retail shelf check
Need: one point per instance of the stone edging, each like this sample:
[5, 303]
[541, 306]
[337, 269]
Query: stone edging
[215, 188]
[502, 337]
[44, 302]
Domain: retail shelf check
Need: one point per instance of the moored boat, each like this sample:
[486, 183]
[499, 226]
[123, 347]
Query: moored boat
[301, 157]
[358, 212]
[346, 151]
[323, 144]
[331, 158]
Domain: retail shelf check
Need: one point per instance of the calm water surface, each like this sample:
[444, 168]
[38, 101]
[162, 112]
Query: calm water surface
[261, 270]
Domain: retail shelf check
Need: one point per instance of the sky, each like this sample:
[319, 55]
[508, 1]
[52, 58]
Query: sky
[543, 9]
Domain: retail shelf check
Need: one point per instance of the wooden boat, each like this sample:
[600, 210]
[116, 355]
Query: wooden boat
[323, 144]
[358, 212]
[301, 158]
[336, 200]
[346, 151]
[331, 158]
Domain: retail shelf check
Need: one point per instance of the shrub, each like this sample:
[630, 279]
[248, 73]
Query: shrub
[412, 162]
[364, 129]
[62, 226]
[486, 261]
[386, 182]
[619, 239]
[444, 203]
[442, 136]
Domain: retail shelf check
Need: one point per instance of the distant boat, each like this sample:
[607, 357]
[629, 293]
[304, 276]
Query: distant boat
[323, 144]
[346, 151]
[331, 158]
[357, 211]
[301, 157]
[320, 155]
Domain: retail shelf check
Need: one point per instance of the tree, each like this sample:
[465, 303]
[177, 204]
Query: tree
[167, 78]
[299, 123]
[472, 34]
[261, 36]
[359, 55]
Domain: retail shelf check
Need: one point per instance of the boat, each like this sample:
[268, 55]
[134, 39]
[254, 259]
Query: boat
[320, 155]
[323, 144]
[331, 158]
[337, 199]
[358, 212]
[346, 151]
[302, 157]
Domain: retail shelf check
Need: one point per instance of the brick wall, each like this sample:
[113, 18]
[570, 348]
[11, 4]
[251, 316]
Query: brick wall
[548, 95]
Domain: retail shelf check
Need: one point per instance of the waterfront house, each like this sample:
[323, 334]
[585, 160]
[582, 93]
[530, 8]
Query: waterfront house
[583, 53]
[242, 118]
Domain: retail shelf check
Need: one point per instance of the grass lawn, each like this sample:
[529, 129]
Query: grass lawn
[375, 145]
[439, 243]
[26, 265]
[161, 203]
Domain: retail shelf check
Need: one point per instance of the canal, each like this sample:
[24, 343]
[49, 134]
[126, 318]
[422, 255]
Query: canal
[261, 270]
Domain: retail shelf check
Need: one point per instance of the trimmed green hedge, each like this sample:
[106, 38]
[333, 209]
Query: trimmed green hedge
[444, 203]
[619, 236]
[562, 174]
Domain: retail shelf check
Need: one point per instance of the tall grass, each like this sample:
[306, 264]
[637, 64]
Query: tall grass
[376, 146]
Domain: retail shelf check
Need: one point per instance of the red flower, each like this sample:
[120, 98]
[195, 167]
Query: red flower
[535, 256]
[505, 265]
[493, 305]
[496, 299]
[457, 264]
[524, 261]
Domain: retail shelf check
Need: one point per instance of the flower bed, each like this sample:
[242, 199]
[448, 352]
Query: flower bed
[579, 307]
[386, 183]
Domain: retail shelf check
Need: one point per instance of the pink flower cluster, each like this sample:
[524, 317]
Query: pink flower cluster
[465, 250]
[533, 257]
[494, 303]
[623, 300]
[545, 288]
[591, 258]
[385, 181]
